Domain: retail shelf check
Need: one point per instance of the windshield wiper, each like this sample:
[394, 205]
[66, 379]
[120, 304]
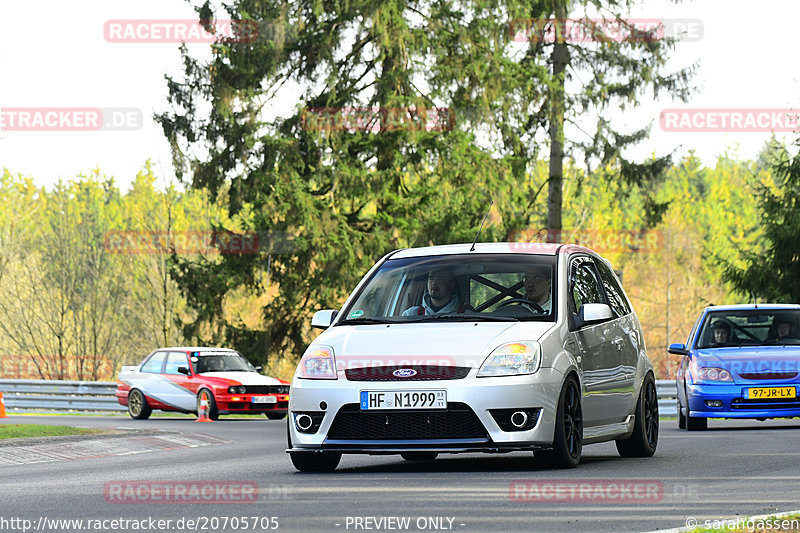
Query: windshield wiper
[468, 318]
[365, 320]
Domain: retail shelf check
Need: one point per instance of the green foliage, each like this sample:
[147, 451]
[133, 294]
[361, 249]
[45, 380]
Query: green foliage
[74, 302]
[771, 270]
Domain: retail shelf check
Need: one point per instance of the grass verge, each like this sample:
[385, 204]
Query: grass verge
[16, 431]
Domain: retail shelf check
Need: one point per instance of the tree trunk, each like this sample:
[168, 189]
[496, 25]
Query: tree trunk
[560, 59]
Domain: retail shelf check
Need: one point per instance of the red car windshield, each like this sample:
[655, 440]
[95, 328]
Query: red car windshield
[221, 363]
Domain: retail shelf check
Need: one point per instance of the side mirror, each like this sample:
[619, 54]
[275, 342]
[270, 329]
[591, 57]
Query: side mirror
[183, 370]
[594, 314]
[678, 348]
[323, 319]
[258, 368]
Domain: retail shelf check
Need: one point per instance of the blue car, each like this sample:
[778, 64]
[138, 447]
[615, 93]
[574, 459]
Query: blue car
[740, 361]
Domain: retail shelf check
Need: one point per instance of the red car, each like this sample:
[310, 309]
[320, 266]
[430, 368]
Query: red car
[177, 379]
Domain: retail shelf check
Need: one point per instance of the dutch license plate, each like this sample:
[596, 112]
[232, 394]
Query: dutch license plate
[771, 392]
[264, 399]
[405, 399]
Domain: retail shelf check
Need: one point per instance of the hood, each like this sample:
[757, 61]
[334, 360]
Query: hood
[243, 378]
[752, 361]
[436, 343]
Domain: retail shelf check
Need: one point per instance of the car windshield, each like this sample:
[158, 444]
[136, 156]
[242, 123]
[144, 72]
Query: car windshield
[755, 327]
[482, 287]
[220, 362]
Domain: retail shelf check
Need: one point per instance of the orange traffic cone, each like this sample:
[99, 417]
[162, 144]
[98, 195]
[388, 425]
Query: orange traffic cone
[202, 413]
[2, 406]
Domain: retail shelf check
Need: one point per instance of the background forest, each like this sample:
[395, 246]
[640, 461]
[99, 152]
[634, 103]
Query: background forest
[88, 272]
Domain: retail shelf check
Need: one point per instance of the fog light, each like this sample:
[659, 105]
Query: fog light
[714, 403]
[303, 422]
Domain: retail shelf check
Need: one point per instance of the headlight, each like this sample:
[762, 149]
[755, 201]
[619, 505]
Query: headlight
[512, 359]
[317, 363]
[713, 374]
[237, 389]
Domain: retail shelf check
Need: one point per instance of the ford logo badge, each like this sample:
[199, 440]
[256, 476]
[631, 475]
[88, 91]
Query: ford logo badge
[404, 372]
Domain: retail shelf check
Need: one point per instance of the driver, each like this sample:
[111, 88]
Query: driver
[537, 286]
[722, 333]
[441, 297]
[215, 364]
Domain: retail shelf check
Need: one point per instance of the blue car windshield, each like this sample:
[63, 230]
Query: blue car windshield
[475, 287]
[757, 327]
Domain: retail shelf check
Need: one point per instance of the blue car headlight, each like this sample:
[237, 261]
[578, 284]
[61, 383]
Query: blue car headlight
[710, 373]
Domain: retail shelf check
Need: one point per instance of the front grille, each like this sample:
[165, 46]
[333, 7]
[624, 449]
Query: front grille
[423, 373]
[770, 403]
[768, 375]
[457, 422]
[266, 389]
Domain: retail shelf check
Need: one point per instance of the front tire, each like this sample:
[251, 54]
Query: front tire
[315, 461]
[213, 413]
[696, 423]
[568, 437]
[276, 416]
[681, 417]
[644, 439]
[138, 409]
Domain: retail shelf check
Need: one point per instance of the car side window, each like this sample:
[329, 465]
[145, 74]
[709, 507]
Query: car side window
[154, 364]
[175, 360]
[584, 284]
[616, 296]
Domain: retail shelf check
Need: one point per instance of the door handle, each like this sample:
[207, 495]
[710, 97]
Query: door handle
[618, 343]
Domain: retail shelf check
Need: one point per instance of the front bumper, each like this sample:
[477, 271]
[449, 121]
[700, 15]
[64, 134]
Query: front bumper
[735, 404]
[243, 403]
[537, 391]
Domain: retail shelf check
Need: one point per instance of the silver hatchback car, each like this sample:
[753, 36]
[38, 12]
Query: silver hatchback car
[476, 348]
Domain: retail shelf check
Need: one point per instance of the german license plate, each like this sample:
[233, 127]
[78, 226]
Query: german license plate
[771, 392]
[264, 399]
[405, 399]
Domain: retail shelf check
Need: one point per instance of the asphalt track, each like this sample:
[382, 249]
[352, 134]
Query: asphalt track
[736, 468]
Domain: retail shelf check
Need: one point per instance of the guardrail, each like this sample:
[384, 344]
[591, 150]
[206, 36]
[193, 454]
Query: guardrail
[32, 395]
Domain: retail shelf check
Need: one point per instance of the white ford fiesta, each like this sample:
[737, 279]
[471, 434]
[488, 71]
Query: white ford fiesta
[476, 348]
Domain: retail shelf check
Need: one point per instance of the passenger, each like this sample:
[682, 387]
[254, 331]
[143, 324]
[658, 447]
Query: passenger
[784, 330]
[441, 297]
